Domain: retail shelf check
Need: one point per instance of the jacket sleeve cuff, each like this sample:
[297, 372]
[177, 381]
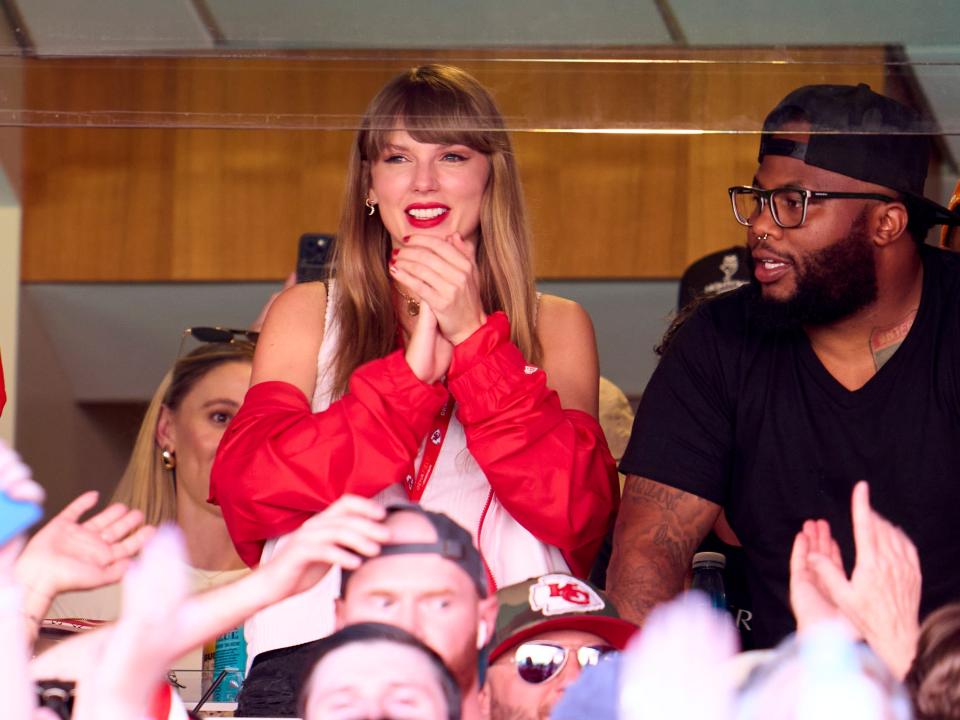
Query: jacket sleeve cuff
[391, 379]
[491, 374]
[488, 337]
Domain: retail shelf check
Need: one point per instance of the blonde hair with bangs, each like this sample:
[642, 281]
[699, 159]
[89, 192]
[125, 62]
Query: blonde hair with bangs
[442, 105]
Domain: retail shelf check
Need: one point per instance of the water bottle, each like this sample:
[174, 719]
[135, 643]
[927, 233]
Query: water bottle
[230, 655]
[708, 577]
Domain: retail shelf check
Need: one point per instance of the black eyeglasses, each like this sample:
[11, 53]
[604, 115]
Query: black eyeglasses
[788, 205]
[538, 662]
[217, 335]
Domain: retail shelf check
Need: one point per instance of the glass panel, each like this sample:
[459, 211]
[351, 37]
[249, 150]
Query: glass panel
[642, 90]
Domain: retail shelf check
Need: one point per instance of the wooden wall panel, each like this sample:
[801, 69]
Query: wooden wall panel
[205, 194]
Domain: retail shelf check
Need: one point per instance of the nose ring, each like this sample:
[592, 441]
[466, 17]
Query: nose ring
[763, 238]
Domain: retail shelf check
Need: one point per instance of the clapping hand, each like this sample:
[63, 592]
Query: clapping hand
[443, 274]
[809, 602]
[428, 353]
[881, 598]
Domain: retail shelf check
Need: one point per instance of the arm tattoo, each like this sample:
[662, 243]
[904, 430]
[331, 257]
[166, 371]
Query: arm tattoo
[657, 531]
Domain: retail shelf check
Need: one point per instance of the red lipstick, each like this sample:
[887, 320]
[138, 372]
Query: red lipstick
[426, 215]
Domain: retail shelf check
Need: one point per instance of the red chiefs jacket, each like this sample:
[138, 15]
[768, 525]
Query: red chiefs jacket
[279, 463]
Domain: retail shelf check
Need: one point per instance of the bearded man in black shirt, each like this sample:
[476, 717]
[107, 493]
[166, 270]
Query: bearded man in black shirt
[839, 362]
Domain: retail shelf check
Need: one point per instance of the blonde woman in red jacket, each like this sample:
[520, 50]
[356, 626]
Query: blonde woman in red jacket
[429, 369]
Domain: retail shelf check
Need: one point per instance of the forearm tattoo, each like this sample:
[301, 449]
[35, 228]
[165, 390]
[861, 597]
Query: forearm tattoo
[657, 530]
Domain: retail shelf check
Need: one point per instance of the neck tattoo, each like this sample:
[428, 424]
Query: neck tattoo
[885, 341]
[413, 305]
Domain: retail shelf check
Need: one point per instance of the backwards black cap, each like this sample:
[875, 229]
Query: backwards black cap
[861, 134]
[453, 543]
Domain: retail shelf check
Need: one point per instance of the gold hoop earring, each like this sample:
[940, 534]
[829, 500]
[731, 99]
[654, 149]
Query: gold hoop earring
[371, 206]
[169, 459]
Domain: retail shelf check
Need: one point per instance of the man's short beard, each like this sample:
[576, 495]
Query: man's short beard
[833, 283]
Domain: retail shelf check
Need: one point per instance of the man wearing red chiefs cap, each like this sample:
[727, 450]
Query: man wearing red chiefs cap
[548, 629]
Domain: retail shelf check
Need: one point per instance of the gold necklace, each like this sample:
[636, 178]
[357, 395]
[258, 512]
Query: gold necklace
[413, 306]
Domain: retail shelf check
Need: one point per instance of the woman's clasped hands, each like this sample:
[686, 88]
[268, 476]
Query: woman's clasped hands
[443, 273]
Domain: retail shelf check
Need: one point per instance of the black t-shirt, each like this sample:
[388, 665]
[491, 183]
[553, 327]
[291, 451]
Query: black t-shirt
[755, 423]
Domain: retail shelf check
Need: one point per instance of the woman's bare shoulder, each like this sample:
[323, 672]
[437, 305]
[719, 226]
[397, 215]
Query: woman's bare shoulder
[291, 336]
[298, 303]
[566, 335]
[558, 316]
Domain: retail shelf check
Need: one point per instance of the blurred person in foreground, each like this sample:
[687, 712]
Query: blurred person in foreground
[839, 362]
[19, 700]
[548, 630]
[683, 666]
[429, 580]
[823, 673]
[372, 670]
[119, 670]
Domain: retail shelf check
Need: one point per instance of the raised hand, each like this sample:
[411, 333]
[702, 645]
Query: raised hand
[809, 602]
[428, 353]
[66, 554]
[882, 596]
[443, 274]
[132, 660]
[347, 532]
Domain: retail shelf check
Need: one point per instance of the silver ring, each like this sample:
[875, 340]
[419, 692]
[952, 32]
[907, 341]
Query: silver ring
[763, 238]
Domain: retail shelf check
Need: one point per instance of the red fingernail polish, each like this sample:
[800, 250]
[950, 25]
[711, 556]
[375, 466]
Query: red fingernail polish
[396, 251]
[392, 263]
[405, 238]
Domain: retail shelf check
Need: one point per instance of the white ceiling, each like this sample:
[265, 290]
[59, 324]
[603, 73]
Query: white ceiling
[428, 23]
[109, 26]
[821, 22]
[95, 27]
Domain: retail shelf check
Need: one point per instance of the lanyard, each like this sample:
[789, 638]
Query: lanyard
[431, 452]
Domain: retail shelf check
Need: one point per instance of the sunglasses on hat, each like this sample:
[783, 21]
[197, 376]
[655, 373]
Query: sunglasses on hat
[537, 662]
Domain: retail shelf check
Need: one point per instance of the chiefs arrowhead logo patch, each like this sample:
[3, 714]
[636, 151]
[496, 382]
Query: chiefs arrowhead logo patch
[558, 594]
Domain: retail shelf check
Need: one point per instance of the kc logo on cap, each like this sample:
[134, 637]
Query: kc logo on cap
[559, 594]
